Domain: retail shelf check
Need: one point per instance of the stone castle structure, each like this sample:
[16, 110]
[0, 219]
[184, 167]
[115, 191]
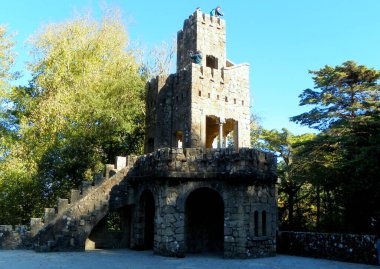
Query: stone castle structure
[191, 108]
[183, 195]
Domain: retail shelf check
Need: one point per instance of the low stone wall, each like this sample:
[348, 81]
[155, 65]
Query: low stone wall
[345, 247]
[17, 238]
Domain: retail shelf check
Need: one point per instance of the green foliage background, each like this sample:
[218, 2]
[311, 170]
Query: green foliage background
[84, 106]
[330, 181]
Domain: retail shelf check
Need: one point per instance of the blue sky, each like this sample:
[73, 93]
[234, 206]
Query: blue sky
[281, 40]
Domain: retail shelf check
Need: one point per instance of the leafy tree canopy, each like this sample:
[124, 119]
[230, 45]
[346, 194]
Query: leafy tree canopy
[84, 106]
[342, 93]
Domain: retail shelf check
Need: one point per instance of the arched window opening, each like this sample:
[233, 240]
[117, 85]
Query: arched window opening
[264, 222]
[256, 222]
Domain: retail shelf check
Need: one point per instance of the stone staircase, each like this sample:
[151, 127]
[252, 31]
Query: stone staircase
[68, 227]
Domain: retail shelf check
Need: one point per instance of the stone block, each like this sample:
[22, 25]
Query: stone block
[62, 204]
[108, 169]
[229, 239]
[74, 196]
[49, 214]
[35, 225]
[121, 162]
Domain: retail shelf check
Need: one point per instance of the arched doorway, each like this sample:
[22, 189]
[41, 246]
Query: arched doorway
[204, 221]
[147, 208]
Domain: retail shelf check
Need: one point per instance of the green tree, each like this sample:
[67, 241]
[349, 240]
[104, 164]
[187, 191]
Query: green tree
[342, 95]
[84, 106]
[16, 187]
[346, 108]
[294, 187]
[7, 58]
[255, 131]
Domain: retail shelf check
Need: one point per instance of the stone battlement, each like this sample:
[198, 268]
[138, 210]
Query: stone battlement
[197, 163]
[204, 18]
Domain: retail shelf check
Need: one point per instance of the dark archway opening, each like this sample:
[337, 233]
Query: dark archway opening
[112, 231]
[148, 208]
[204, 221]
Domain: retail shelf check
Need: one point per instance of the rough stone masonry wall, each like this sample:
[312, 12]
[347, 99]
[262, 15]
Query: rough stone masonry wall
[345, 247]
[201, 32]
[168, 110]
[244, 180]
[17, 238]
[240, 203]
[224, 96]
[222, 163]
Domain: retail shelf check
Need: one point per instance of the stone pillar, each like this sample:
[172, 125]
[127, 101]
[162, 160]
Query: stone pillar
[203, 131]
[236, 135]
[220, 135]
[170, 232]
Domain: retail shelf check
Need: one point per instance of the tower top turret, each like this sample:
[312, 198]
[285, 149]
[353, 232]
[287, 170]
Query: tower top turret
[205, 33]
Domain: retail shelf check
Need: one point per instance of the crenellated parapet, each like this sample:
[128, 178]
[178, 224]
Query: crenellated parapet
[203, 164]
[201, 32]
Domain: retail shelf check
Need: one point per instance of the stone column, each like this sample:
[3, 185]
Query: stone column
[203, 130]
[236, 135]
[220, 135]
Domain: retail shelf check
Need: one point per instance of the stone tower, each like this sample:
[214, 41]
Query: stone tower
[200, 103]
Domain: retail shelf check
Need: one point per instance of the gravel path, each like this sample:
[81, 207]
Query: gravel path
[128, 259]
